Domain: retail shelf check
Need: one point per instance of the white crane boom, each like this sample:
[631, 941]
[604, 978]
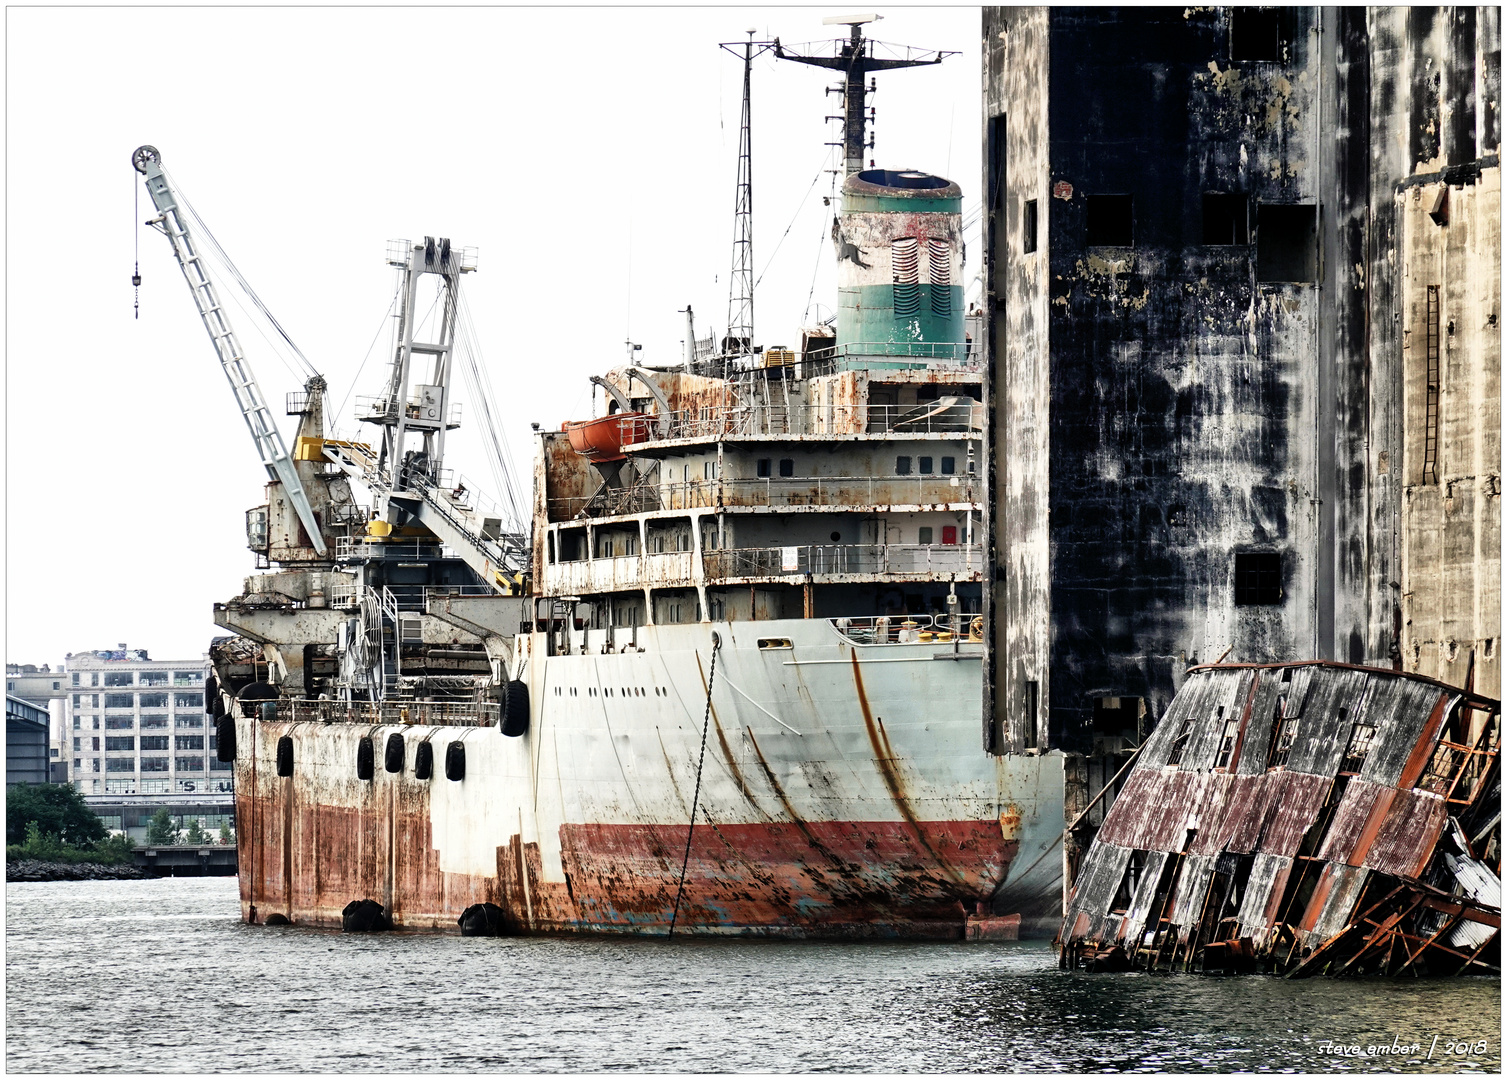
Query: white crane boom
[248, 396]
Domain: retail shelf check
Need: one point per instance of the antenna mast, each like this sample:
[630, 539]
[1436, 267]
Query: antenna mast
[855, 59]
[739, 341]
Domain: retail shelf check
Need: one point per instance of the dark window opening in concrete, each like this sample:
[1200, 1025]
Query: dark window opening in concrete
[1181, 743]
[1110, 221]
[763, 468]
[1257, 33]
[924, 466]
[787, 466]
[1258, 578]
[949, 466]
[1226, 219]
[1287, 243]
[902, 465]
[1117, 715]
[1028, 227]
[1032, 724]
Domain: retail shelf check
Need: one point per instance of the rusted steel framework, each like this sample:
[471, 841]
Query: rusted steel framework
[1301, 819]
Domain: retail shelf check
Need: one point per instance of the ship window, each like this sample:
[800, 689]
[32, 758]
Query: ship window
[925, 466]
[923, 534]
[949, 466]
[1110, 221]
[1225, 219]
[551, 544]
[118, 678]
[1028, 228]
[763, 466]
[787, 466]
[902, 465]
[1258, 578]
[1287, 243]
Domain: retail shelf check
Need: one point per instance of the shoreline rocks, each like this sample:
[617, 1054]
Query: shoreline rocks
[33, 870]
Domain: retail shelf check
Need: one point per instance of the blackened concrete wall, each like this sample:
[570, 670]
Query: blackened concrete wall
[1159, 409]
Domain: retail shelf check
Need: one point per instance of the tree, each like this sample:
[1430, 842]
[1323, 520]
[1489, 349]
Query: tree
[195, 833]
[160, 830]
[56, 809]
[225, 836]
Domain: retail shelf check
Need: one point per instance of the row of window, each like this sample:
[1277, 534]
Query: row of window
[154, 764]
[148, 742]
[181, 700]
[149, 720]
[1285, 235]
[140, 678]
[924, 465]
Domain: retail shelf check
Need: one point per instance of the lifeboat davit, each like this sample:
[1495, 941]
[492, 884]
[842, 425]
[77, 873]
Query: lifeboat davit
[603, 439]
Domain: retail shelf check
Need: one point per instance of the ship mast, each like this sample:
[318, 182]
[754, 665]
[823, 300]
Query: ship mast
[739, 342]
[855, 59]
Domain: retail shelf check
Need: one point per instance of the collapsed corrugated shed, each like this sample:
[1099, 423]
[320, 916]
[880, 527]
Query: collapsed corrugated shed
[1313, 818]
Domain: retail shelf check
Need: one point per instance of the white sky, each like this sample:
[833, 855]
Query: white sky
[589, 154]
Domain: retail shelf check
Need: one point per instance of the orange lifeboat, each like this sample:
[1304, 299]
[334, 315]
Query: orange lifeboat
[603, 439]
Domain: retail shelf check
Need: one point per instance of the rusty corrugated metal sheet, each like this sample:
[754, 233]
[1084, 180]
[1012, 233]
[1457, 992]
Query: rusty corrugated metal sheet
[1298, 818]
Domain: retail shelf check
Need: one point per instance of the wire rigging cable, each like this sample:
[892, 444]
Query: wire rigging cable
[690, 830]
[238, 277]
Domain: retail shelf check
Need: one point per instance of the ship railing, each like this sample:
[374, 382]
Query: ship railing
[831, 559]
[426, 713]
[359, 548]
[928, 490]
[899, 629]
[961, 416]
[853, 354]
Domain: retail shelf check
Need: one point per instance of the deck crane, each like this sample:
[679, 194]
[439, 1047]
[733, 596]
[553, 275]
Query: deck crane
[248, 396]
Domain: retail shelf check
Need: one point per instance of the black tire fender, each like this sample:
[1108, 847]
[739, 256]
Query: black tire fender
[515, 709]
[392, 757]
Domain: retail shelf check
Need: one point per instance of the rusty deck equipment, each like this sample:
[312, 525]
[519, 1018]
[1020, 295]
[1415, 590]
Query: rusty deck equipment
[1301, 819]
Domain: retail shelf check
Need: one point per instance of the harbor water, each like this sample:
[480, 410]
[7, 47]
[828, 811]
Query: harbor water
[161, 976]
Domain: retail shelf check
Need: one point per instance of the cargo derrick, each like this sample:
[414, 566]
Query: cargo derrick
[345, 615]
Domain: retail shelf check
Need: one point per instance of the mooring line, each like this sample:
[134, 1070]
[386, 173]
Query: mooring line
[696, 798]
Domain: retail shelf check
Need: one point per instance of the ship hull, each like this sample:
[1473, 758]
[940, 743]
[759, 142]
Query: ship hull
[842, 792]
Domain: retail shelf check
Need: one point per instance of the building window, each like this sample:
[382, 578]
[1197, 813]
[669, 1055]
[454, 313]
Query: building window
[120, 742]
[902, 465]
[187, 701]
[154, 742]
[189, 764]
[1227, 743]
[1226, 219]
[1257, 33]
[154, 701]
[1258, 578]
[120, 701]
[1110, 220]
[1028, 228]
[216, 765]
[119, 723]
[923, 534]
[1180, 744]
[75, 678]
[1358, 747]
[1287, 734]
[925, 466]
[95, 740]
[77, 748]
[188, 742]
[154, 720]
[153, 764]
[154, 678]
[118, 678]
[763, 466]
[77, 723]
[1287, 243]
[949, 466]
[787, 466]
[190, 720]
[123, 764]
[188, 678]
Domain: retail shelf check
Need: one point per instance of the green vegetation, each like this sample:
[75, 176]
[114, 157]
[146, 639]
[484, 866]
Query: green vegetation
[52, 823]
[225, 835]
[195, 833]
[161, 830]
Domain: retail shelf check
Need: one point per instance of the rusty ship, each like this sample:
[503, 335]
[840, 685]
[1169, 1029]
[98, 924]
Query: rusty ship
[726, 678]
